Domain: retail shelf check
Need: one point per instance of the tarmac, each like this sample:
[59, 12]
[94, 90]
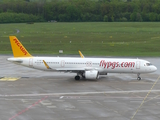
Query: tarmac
[29, 94]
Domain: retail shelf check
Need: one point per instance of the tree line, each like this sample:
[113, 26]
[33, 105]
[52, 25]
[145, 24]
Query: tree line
[12, 11]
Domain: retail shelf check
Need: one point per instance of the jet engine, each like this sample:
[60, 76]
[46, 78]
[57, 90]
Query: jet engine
[93, 74]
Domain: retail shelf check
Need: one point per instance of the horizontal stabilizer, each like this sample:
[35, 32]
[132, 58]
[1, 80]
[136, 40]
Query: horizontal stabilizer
[15, 60]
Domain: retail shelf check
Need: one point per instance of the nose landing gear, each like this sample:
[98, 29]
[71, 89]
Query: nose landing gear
[138, 76]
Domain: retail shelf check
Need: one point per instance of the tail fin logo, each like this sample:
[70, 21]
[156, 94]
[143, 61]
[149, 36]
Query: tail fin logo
[20, 46]
[17, 48]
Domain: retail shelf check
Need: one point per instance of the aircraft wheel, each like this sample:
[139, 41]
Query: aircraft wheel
[139, 78]
[77, 77]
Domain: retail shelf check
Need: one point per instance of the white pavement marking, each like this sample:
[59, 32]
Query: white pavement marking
[85, 101]
[152, 98]
[61, 97]
[23, 100]
[135, 101]
[28, 108]
[110, 101]
[51, 106]
[145, 97]
[142, 82]
[78, 93]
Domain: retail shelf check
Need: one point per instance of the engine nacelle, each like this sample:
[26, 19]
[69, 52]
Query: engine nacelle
[93, 74]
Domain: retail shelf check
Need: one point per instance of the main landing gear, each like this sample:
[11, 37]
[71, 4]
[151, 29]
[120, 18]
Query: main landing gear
[77, 77]
[138, 76]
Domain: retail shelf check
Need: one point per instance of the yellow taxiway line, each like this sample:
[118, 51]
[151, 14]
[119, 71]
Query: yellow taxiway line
[9, 78]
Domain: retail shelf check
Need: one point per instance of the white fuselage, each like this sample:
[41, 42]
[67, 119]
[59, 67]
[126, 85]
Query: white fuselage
[102, 65]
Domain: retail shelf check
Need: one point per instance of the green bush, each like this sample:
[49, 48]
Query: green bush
[123, 19]
[8, 17]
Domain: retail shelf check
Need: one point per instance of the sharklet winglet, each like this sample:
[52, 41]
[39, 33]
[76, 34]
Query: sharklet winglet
[82, 56]
[46, 65]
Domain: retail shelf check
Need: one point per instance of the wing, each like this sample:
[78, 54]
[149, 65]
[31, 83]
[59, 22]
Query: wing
[75, 70]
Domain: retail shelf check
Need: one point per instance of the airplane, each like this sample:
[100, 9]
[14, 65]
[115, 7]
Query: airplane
[87, 68]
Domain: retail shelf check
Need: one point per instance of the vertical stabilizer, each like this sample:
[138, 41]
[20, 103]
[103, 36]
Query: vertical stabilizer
[18, 49]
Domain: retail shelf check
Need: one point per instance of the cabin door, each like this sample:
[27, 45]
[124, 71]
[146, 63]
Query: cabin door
[62, 63]
[138, 65]
[31, 62]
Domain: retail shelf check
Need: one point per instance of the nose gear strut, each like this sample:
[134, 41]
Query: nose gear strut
[138, 76]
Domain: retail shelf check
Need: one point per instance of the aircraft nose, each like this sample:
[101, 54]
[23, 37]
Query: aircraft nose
[154, 68]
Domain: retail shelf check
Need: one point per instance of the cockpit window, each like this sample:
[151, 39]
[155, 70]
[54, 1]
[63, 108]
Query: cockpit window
[148, 64]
